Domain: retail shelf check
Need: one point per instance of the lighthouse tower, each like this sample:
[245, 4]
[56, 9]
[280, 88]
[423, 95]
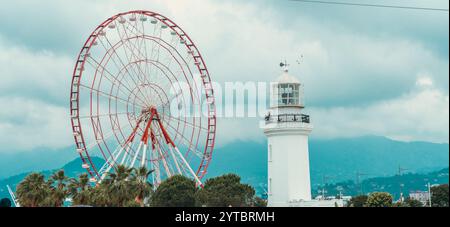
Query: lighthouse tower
[287, 130]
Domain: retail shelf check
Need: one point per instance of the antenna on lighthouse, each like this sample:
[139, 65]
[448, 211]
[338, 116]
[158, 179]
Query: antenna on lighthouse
[285, 66]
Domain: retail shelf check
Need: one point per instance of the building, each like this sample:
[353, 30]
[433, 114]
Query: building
[421, 196]
[287, 129]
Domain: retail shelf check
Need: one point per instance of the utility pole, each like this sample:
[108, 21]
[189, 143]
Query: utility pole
[358, 181]
[429, 194]
[325, 179]
[400, 173]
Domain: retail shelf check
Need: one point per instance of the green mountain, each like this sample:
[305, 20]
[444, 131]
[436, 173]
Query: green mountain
[336, 160]
[394, 184]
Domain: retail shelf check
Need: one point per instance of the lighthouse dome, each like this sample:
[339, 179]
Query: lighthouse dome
[287, 78]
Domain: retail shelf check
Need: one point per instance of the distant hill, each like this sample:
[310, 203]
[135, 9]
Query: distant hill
[40, 159]
[410, 182]
[339, 159]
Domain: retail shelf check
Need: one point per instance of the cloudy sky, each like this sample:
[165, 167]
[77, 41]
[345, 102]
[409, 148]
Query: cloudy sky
[367, 71]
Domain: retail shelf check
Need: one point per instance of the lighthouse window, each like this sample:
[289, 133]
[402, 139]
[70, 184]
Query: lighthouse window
[288, 94]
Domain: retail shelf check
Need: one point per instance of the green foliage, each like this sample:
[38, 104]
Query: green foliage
[439, 196]
[379, 199]
[5, 202]
[225, 191]
[58, 188]
[259, 202]
[33, 191]
[124, 187]
[79, 190]
[412, 203]
[129, 187]
[177, 191]
[141, 185]
[358, 201]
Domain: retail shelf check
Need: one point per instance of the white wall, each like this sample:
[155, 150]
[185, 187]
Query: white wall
[288, 167]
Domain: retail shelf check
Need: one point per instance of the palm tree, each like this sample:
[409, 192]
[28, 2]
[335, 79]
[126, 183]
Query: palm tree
[143, 188]
[33, 191]
[118, 186]
[79, 190]
[60, 192]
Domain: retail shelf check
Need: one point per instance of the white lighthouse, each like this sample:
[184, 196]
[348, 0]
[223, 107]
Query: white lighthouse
[287, 129]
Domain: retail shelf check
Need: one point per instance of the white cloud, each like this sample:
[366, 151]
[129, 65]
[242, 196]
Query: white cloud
[424, 81]
[38, 74]
[421, 115]
[26, 124]
[33, 96]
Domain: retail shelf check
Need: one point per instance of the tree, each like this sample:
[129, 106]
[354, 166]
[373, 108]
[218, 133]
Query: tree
[117, 190]
[33, 191]
[225, 191]
[58, 188]
[142, 187]
[259, 202]
[358, 201]
[5, 202]
[379, 199]
[79, 190]
[439, 196]
[413, 203]
[177, 191]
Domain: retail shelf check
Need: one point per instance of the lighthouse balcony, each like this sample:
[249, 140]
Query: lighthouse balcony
[285, 118]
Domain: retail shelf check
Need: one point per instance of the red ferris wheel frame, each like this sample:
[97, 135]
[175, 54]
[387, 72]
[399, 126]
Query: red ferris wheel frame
[77, 129]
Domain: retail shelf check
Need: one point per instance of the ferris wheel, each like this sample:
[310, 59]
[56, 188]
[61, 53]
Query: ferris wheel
[141, 96]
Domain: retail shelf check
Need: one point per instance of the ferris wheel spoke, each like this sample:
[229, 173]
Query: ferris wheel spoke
[187, 123]
[195, 129]
[133, 49]
[141, 33]
[170, 57]
[105, 138]
[114, 80]
[123, 65]
[107, 95]
[144, 41]
[187, 143]
[103, 115]
[126, 41]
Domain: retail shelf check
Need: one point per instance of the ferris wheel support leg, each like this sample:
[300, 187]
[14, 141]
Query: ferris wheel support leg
[110, 166]
[152, 168]
[125, 155]
[156, 166]
[189, 167]
[144, 155]
[175, 160]
[166, 167]
[136, 155]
